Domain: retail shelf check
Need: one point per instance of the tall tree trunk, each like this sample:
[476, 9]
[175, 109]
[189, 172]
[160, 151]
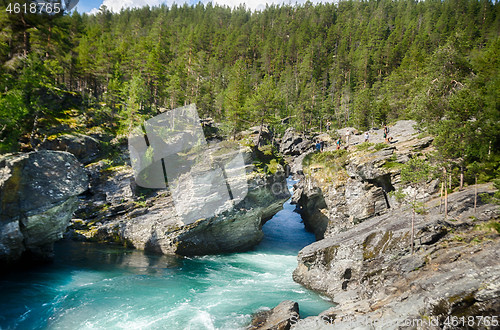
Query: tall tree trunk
[413, 224]
[48, 42]
[441, 197]
[461, 177]
[34, 130]
[445, 196]
[26, 36]
[475, 193]
[26, 43]
[260, 132]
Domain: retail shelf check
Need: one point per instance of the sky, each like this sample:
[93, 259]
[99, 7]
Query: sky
[92, 6]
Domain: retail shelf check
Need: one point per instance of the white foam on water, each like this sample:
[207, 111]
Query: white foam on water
[201, 321]
[210, 292]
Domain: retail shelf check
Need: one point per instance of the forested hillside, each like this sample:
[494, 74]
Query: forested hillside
[356, 63]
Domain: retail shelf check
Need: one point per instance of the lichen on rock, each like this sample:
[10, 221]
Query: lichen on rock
[37, 201]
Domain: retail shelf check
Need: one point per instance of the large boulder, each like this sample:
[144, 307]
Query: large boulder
[252, 135]
[187, 218]
[86, 148]
[281, 317]
[294, 143]
[37, 199]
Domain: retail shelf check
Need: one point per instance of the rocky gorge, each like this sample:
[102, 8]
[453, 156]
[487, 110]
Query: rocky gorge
[362, 258]
[43, 192]
[349, 198]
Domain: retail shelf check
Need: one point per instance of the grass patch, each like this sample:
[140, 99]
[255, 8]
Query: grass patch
[364, 146]
[492, 226]
[422, 135]
[268, 160]
[380, 146]
[140, 203]
[327, 167]
[327, 158]
[273, 167]
[390, 165]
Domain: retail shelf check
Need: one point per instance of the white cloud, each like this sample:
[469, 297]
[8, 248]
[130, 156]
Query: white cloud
[117, 5]
[93, 11]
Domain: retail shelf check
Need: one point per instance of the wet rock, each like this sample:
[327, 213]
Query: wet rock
[281, 317]
[37, 199]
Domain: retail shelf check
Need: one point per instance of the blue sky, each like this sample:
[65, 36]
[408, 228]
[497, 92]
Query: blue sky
[89, 6]
[84, 6]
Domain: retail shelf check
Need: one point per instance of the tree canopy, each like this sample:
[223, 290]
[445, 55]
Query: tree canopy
[356, 63]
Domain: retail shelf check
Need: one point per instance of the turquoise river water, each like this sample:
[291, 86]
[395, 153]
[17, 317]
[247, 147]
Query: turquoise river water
[91, 286]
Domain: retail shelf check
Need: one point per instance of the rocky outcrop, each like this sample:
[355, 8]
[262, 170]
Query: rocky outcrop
[37, 199]
[251, 135]
[154, 220]
[402, 130]
[85, 148]
[369, 272]
[281, 317]
[294, 143]
[363, 258]
[356, 184]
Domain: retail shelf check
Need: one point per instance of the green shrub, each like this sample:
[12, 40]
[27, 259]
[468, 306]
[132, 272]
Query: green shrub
[327, 158]
[364, 146]
[390, 164]
[489, 226]
[398, 194]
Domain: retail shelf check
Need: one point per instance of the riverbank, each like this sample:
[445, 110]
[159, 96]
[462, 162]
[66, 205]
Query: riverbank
[93, 285]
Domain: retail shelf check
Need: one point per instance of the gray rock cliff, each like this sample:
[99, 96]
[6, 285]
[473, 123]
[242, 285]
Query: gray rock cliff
[370, 273]
[362, 260]
[117, 213]
[338, 194]
[37, 199]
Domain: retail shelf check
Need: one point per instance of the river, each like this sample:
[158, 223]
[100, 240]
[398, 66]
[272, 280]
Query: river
[91, 286]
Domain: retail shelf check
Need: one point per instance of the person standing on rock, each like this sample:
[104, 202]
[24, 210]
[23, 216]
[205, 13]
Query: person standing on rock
[386, 133]
[367, 136]
[347, 135]
[318, 146]
[328, 124]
